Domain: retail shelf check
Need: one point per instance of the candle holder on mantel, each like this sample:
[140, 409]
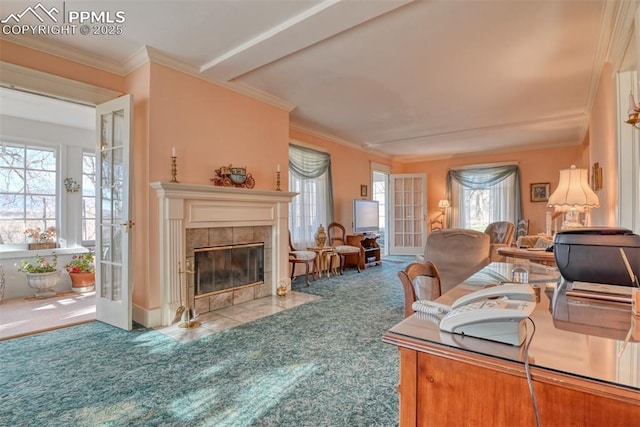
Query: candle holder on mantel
[278, 181]
[185, 308]
[174, 169]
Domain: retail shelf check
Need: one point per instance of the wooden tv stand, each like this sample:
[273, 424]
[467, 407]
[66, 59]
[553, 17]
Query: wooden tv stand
[369, 249]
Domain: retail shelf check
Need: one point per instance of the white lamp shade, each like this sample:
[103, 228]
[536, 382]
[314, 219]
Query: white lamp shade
[443, 204]
[573, 191]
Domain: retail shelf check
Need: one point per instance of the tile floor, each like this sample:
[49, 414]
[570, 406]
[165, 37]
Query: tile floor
[24, 316]
[236, 315]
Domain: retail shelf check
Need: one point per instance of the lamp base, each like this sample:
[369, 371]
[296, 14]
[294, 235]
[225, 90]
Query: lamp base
[572, 220]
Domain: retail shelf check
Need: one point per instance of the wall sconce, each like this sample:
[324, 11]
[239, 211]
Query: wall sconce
[572, 196]
[633, 112]
[596, 177]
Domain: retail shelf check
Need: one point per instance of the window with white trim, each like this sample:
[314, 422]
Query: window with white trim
[27, 190]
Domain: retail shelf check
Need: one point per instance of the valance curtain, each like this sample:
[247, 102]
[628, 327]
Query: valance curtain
[310, 176]
[481, 196]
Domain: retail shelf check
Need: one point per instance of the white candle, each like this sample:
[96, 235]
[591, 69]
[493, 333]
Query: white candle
[173, 151]
[278, 168]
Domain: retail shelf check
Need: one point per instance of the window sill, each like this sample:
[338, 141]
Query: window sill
[20, 251]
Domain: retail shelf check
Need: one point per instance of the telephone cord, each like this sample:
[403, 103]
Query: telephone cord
[527, 370]
[430, 307]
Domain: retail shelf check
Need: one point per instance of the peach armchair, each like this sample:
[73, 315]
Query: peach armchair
[457, 253]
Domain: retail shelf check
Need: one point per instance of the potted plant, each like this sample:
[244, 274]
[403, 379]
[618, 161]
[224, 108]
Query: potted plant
[39, 239]
[42, 275]
[82, 272]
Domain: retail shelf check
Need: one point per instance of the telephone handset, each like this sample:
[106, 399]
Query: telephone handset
[500, 319]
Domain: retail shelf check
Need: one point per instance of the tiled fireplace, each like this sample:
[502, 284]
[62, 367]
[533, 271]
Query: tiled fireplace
[206, 240]
[195, 216]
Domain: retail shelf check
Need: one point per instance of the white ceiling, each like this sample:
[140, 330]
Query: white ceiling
[405, 78]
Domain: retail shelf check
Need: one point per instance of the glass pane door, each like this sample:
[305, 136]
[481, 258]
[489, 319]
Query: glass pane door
[112, 239]
[407, 222]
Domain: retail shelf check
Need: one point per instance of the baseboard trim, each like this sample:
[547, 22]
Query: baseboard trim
[145, 317]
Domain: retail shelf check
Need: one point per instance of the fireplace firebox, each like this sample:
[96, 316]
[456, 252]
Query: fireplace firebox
[221, 268]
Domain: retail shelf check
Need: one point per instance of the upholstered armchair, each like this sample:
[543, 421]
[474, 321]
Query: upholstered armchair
[300, 257]
[338, 239]
[420, 281]
[457, 253]
[500, 234]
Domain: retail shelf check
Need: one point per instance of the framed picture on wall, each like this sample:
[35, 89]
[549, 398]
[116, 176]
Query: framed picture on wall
[363, 191]
[540, 191]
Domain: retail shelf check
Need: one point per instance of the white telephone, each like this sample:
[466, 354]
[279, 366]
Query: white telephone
[495, 313]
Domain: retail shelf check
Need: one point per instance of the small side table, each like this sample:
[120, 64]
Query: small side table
[323, 261]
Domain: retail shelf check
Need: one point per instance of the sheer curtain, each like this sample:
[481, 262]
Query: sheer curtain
[481, 196]
[310, 176]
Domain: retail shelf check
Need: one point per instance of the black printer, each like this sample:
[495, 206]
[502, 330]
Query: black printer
[593, 255]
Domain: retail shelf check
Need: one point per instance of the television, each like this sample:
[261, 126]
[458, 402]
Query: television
[365, 216]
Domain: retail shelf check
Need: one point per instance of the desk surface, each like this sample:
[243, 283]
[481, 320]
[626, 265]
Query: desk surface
[538, 255]
[583, 338]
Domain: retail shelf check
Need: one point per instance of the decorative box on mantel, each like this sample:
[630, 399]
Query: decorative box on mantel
[42, 245]
[192, 206]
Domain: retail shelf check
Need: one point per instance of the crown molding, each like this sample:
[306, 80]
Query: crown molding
[140, 57]
[69, 53]
[405, 159]
[331, 138]
[621, 32]
[29, 80]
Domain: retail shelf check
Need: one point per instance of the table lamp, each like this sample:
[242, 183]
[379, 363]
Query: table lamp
[573, 196]
[443, 204]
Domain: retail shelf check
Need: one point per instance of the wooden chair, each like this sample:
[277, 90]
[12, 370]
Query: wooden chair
[501, 234]
[420, 281]
[338, 239]
[300, 257]
[522, 228]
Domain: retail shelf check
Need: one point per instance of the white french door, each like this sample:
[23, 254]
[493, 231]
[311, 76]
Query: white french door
[113, 284]
[407, 202]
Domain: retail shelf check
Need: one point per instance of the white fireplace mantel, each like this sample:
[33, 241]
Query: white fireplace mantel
[184, 206]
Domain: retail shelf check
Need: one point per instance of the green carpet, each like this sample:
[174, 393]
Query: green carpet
[319, 364]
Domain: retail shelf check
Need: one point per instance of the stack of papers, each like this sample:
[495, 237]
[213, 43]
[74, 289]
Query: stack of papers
[601, 291]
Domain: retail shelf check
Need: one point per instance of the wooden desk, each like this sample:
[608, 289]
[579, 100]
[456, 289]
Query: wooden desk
[579, 378]
[533, 255]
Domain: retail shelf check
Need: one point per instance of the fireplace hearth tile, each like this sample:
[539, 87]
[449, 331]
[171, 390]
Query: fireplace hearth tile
[219, 301]
[243, 295]
[202, 305]
[243, 235]
[263, 234]
[196, 238]
[220, 236]
[263, 290]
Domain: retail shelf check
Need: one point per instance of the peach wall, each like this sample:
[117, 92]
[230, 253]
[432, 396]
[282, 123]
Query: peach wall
[137, 84]
[350, 168]
[602, 147]
[535, 166]
[37, 60]
[210, 126]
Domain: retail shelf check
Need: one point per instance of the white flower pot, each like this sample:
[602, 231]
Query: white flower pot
[43, 283]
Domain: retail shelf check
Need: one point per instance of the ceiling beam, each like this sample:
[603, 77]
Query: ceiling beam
[318, 23]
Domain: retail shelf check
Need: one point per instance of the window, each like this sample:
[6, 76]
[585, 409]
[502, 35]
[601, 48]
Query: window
[310, 176]
[484, 195]
[46, 156]
[27, 190]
